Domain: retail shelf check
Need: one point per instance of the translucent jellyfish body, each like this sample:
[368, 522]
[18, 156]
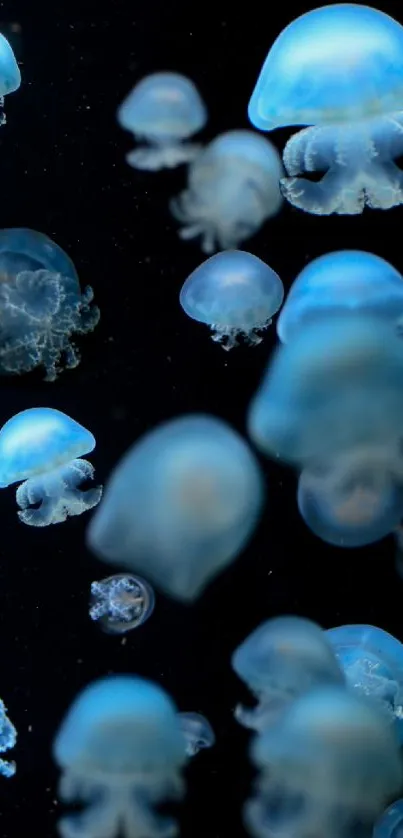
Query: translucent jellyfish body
[281, 659]
[41, 305]
[40, 446]
[233, 187]
[120, 603]
[10, 76]
[342, 282]
[180, 505]
[390, 824]
[197, 731]
[328, 766]
[338, 385]
[338, 69]
[164, 109]
[8, 738]
[372, 660]
[234, 293]
[121, 750]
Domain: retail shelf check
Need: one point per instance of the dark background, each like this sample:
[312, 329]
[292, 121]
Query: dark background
[63, 172]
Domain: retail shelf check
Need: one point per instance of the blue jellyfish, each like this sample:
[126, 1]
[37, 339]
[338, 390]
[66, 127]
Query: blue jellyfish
[329, 764]
[121, 750]
[164, 109]
[372, 661]
[342, 282]
[390, 823]
[233, 187]
[10, 76]
[234, 293]
[8, 738]
[282, 658]
[41, 305]
[40, 446]
[120, 603]
[180, 505]
[197, 731]
[336, 386]
[338, 69]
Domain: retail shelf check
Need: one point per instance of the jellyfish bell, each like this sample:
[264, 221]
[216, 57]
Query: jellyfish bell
[10, 75]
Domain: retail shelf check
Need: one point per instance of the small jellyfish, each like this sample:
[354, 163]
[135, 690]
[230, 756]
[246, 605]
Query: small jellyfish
[40, 446]
[390, 824]
[41, 305]
[338, 69]
[342, 282]
[372, 661]
[234, 293]
[121, 750]
[10, 76]
[164, 109]
[233, 187]
[280, 660]
[180, 505]
[197, 731]
[121, 602]
[8, 738]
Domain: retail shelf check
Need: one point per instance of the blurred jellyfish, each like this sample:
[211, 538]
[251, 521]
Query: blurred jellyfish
[10, 76]
[390, 824]
[342, 282]
[336, 386]
[233, 187]
[39, 446]
[121, 602]
[180, 505]
[197, 731]
[121, 750]
[164, 109]
[372, 661]
[8, 738]
[329, 765]
[339, 69]
[280, 660]
[41, 305]
[234, 293]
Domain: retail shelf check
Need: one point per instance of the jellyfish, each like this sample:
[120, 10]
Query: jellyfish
[8, 738]
[339, 70]
[233, 187]
[41, 305]
[121, 750]
[342, 282]
[10, 76]
[121, 602]
[234, 293]
[197, 731]
[390, 823]
[180, 505]
[39, 448]
[330, 763]
[336, 386]
[372, 661]
[282, 658]
[164, 109]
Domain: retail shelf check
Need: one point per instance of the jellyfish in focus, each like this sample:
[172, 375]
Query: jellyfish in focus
[40, 446]
[234, 293]
[233, 187]
[197, 731]
[164, 109]
[372, 661]
[121, 750]
[340, 283]
[330, 764]
[339, 70]
[279, 661]
[390, 823]
[338, 385]
[120, 603]
[10, 76]
[41, 305]
[180, 505]
[8, 738]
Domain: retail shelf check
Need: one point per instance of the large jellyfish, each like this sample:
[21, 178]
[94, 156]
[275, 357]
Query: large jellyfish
[41, 305]
[234, 293]
[40, 446]
[8, 738]
[10, 76]
[121, 750]
[327, 768]
[121, 602]
[233, 187]
[180, 505]
[390, 823]
[282, 658]
[338, 69]
[372, 661]
[164, 109]
[342, 282]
